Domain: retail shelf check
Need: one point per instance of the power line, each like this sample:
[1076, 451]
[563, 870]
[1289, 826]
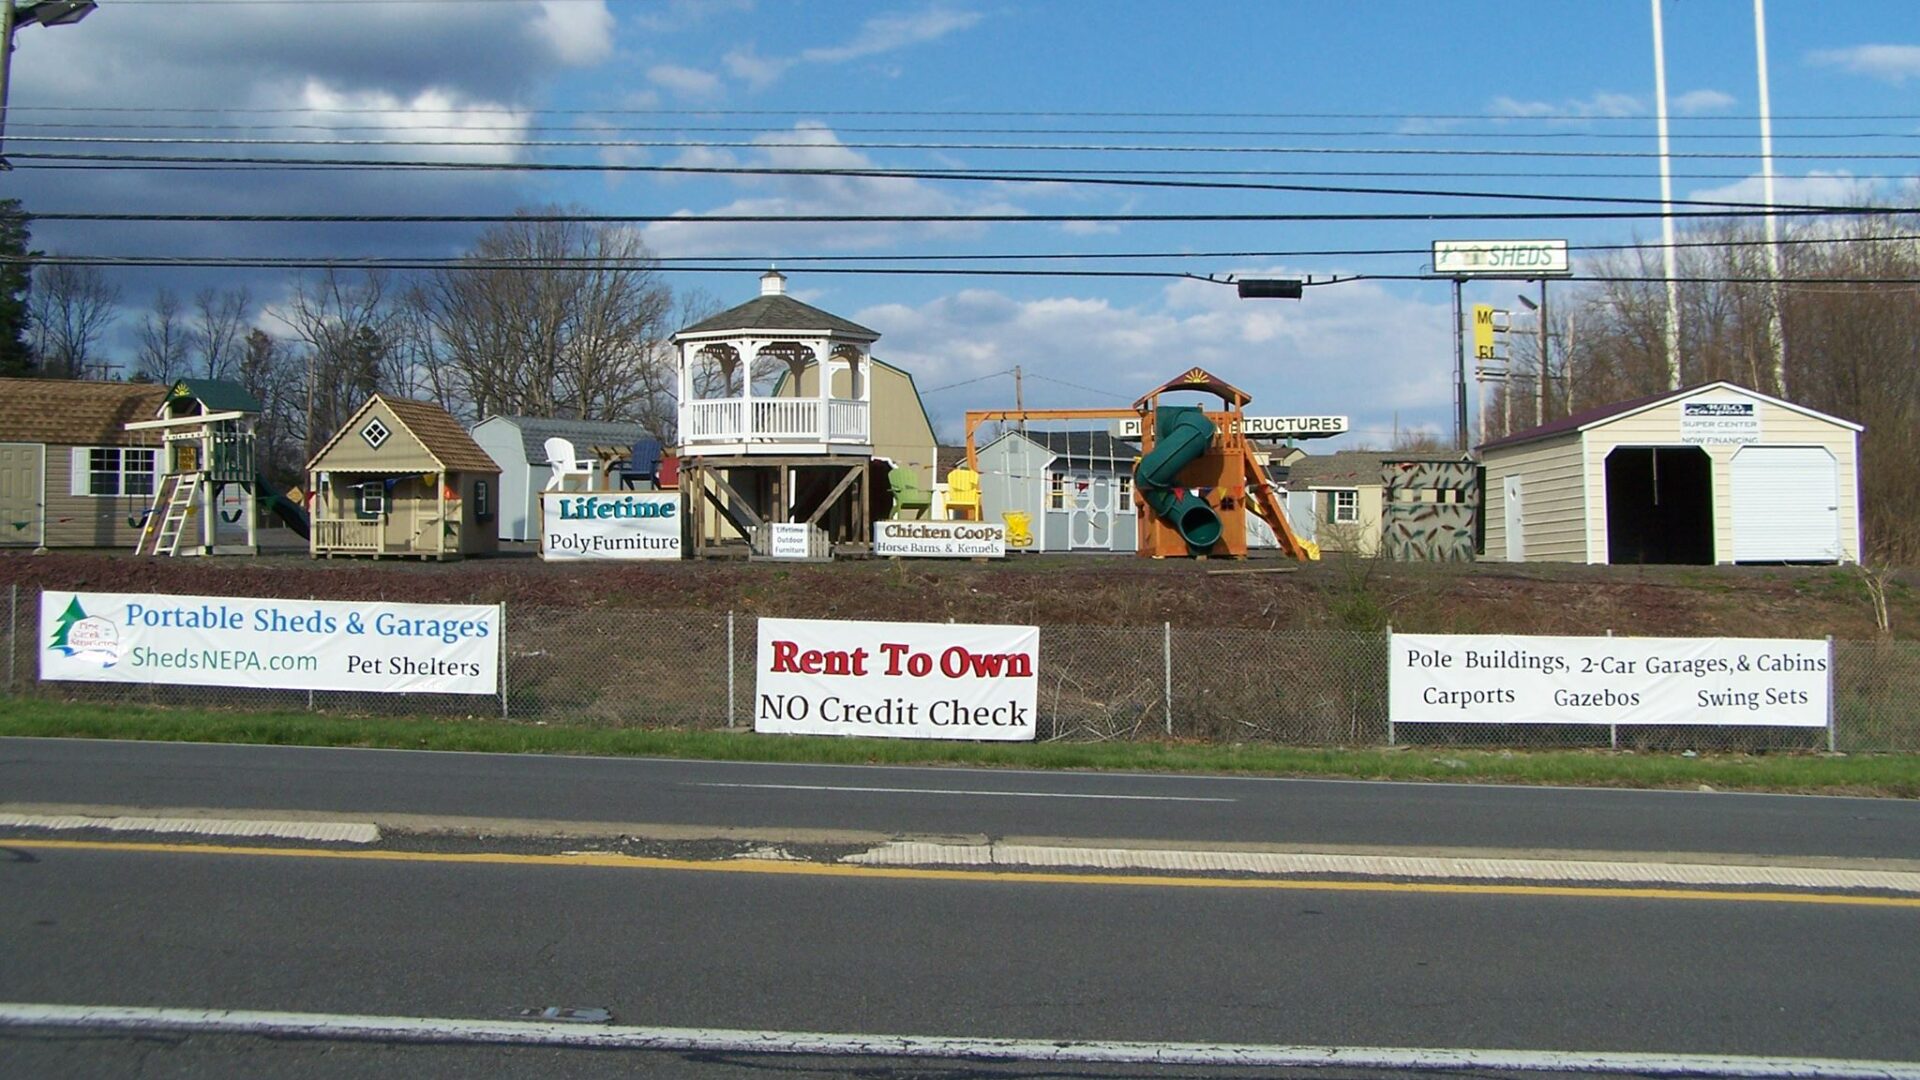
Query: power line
[949, 219]
[966, 382]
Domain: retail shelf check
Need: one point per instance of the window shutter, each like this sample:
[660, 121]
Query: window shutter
[80, 479]
[1332, 511]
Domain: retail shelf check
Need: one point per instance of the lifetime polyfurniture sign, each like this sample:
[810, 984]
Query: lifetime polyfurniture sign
[940, 539]
[897, 680]
[270, 644]
[1498, 679]
[609, 526]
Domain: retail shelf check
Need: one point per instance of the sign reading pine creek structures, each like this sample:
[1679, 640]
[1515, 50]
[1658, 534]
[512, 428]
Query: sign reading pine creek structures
[269, 644]
[1497, 679]
[610, 526]
[940, 539]
[897, 680]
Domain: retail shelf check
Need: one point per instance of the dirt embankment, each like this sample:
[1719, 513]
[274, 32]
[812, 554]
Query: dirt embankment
[1065, 589]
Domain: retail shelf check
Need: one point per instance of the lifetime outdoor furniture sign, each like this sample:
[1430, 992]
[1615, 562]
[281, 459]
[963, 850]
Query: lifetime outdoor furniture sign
[610, 526]
[1499, 679]
[270, 644]
[897, 680]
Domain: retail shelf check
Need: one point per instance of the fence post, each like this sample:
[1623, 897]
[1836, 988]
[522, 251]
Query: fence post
[1613, 730]
[501, 659]
[730, 692]
[1389, 687]
[13, 631]
[1833, 739]
[1166, 672]
[310, 596]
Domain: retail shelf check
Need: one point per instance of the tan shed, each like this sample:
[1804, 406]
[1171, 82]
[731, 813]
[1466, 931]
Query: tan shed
[1711, 474]
[403, 478]
[71, 474]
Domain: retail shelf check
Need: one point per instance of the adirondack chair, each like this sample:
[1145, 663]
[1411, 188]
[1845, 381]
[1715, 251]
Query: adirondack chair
[904, 481]
[963, 495]
[567, 464]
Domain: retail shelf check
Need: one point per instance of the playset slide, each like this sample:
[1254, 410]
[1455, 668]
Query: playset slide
[288, 511]
[1182, 434]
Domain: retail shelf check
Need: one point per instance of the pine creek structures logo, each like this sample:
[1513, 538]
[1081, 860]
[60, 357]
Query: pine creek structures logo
[84, 637]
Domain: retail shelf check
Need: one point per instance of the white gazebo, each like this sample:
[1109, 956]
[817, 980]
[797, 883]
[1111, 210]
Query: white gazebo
[759, 459]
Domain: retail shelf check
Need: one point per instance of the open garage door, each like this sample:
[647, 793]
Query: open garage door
[1659, 505]
[1786, 504]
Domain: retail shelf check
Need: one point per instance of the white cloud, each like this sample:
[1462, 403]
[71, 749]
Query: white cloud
[580, 34]
[811, 146]
[1694, 102]
[1892, 63]
[1817, 188]
[1354, 349]
[877, 36]
[684, 81]
[434, 115]
[1602, 104]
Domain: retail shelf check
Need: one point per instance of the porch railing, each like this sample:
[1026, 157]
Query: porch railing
[775, 420]
[346, 534]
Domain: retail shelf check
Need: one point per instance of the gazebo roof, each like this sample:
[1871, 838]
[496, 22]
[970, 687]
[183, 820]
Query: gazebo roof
[775, 311]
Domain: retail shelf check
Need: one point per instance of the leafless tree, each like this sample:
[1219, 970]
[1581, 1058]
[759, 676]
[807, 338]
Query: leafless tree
[218, 331]
[342, 323]
[71, 308]
[162, 353]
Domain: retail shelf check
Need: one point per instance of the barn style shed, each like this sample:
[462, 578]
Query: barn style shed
[403, 477]
[518, 444]
[1710, 474]
[71, 474]
[1073, 490]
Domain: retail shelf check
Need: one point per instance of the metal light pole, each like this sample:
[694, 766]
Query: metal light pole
[16, 13]
[1540, 318]
[1666, 203]
[1776, 333]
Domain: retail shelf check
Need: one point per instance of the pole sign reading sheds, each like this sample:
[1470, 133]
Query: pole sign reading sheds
[270, 644]
[1500, 258]
[1497, 679]
[609, 526]
[897, 680]
[940, 539]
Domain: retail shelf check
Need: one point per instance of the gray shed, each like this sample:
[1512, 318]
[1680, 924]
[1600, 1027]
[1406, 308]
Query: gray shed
[1076, 488]
[519, 445]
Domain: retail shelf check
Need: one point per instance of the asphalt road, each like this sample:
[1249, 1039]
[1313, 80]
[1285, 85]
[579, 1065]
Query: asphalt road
[992, 802]
[980, 958]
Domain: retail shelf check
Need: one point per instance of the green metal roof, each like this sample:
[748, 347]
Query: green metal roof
[215, 395]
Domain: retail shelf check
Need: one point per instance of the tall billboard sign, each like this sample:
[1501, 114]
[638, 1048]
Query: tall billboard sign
[1522, 259]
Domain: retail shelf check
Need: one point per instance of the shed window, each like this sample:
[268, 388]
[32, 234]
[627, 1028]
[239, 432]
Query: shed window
[1343, 506]
[1056, 491]
[112, 470]
[370, 500]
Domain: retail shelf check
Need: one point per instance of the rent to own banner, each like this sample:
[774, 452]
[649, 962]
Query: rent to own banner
[897, 680]
[606, 525]
[270, 644]
[1474, 679]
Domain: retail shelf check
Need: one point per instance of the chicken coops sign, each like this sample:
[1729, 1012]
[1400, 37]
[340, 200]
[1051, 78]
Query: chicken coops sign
[897, 680]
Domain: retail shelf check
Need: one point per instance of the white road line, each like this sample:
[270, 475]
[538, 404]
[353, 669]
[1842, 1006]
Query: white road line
[349, 832]
[923, 853]
[718, 1040]
[960, 791]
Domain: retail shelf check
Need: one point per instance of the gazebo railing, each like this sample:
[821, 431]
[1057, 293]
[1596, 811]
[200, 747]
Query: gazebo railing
[733, 420]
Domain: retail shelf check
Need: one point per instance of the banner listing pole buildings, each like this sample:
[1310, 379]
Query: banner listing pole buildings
[897, 680]
[270, 644]
[1496, 679]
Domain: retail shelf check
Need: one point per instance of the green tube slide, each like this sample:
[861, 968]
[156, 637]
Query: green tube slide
[1182, 433]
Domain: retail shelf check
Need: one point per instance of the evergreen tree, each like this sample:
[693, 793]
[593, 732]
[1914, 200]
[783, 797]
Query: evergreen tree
[16, 280]
[72, 615]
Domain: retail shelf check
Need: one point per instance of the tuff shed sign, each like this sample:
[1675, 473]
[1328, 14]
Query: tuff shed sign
[897, 680]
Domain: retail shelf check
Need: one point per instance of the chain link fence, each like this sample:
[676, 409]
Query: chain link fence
[620, 668]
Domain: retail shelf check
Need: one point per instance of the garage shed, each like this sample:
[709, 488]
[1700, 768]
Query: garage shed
[1710, 474]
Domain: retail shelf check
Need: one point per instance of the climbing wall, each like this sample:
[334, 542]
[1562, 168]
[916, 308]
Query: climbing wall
[1431, 510]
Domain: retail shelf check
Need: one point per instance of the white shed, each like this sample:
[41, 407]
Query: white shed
[518, 445]
[1711, 474]
[1075, 488]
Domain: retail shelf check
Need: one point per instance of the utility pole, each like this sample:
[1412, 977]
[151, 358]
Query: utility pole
[1019, 398]
[1776, 332]
[1666, 203]
[1459, 370]
[1540, 404]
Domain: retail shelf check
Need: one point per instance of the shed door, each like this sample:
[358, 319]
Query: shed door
[1786, 504]
[1091, 498]
[1515, 520]
[21, 519]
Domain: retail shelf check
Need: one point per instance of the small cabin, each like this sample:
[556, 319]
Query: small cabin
[403, 478]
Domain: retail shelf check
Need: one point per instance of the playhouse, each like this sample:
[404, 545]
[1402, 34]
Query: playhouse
[403, 478]
[750, 460]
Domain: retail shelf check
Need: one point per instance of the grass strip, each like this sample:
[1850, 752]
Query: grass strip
[1896, 775]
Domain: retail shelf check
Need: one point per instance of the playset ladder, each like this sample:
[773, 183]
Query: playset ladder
[172, 505]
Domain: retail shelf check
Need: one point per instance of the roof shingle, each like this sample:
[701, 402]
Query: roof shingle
[70, 412]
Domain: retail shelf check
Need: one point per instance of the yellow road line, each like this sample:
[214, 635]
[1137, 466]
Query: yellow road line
[610, 860]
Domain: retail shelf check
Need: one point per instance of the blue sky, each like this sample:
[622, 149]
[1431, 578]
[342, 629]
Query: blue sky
[1345, 89]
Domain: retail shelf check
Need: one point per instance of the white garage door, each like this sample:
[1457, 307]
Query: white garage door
[1786, 504]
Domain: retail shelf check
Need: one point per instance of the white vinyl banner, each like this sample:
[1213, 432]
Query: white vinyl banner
[608, 525]
[897, 680]
[270, 644]
[1475, 679]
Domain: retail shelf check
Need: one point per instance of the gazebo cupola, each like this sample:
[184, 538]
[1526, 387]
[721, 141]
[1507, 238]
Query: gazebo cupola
[722, 415]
